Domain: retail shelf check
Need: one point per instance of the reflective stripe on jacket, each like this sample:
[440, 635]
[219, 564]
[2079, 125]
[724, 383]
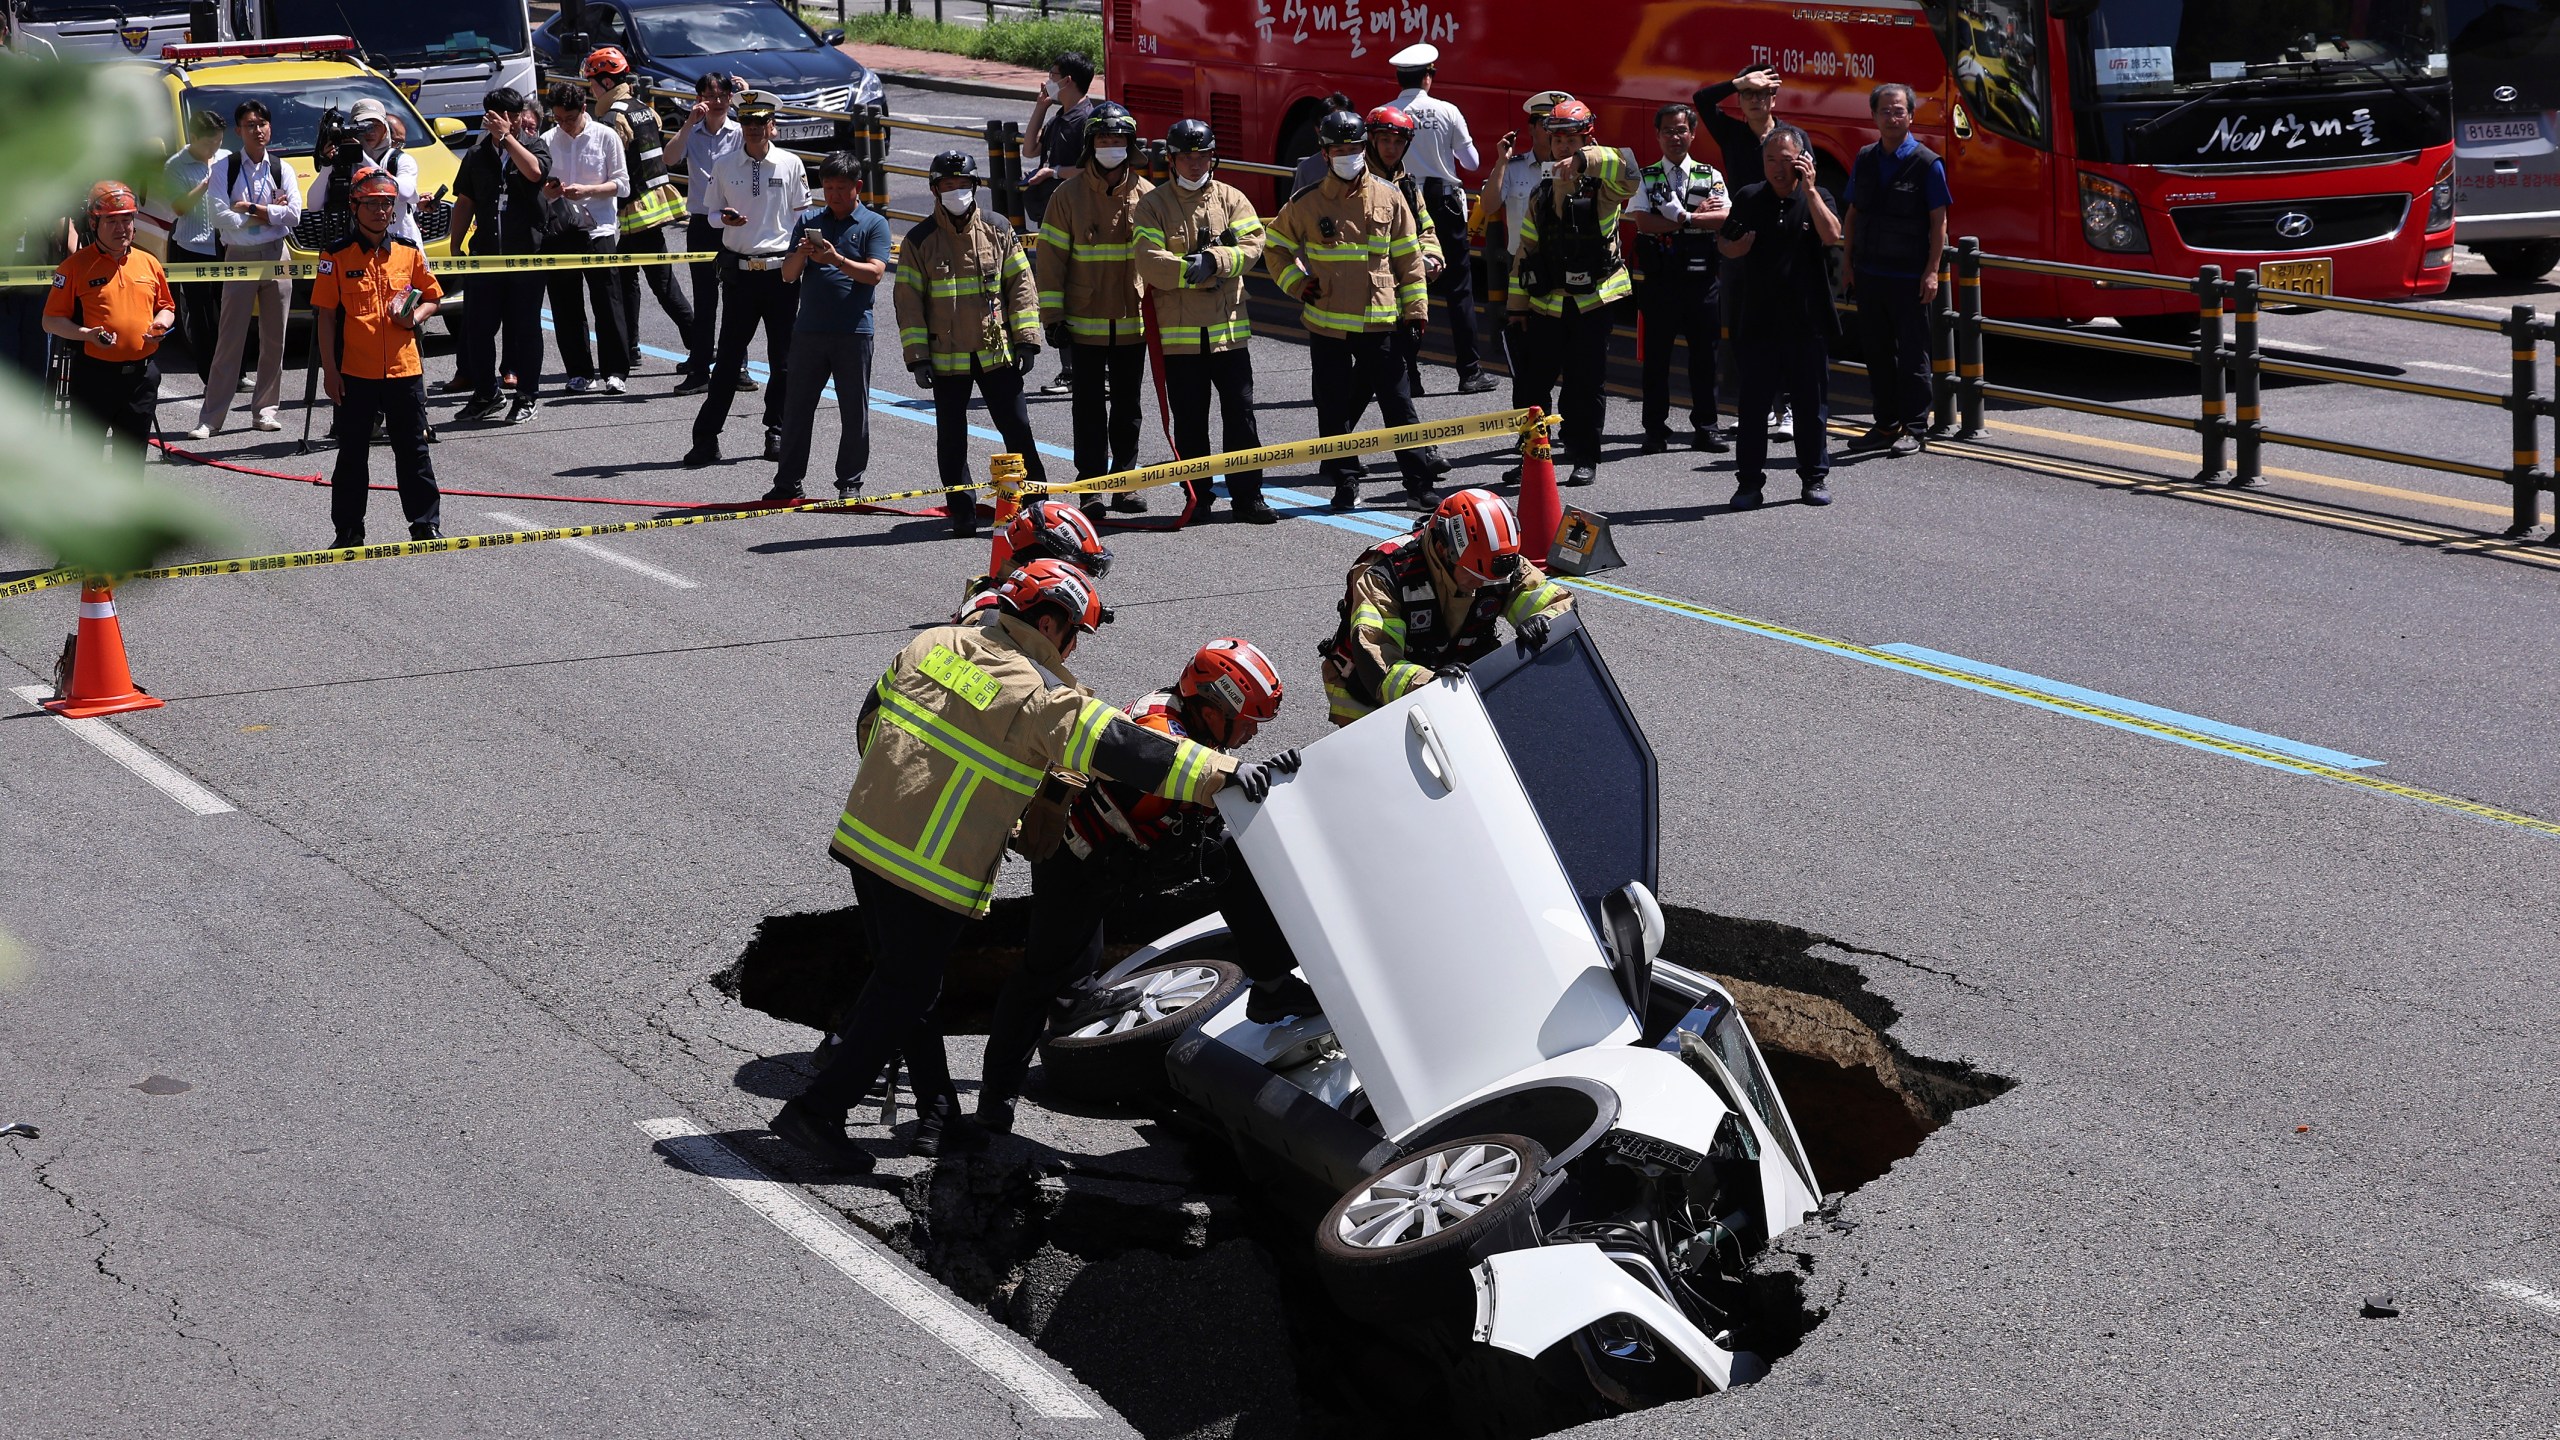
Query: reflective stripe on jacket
[1170, 224]
[1401, 621]
[964, 293]
[955, 739]
[1357, 243]
[1612, 183]
[1087, 259]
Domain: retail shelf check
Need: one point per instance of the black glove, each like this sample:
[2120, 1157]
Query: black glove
[1533, 634]
[1413, 330]
[923, 371]
[1255, 780]
[1023, 355]
[1454, 670]
[1199, 268]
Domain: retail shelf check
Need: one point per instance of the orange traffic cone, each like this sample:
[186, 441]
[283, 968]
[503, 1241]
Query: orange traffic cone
[100, 683]
[1541, 509]
[1005, 472]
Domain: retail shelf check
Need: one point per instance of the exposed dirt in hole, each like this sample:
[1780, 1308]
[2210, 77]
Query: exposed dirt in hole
[1194, 1308]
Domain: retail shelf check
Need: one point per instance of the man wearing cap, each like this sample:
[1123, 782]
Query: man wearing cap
[113, 301]
[1441, 148]
[369, 299]
[254, 211]
[1089, 285]
[968, 318]
[1571, 277]
[1196, 239]
[372, 123]
[756, 193]
[653, 205]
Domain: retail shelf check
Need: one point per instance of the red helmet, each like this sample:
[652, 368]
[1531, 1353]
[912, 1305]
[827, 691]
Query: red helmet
[1476, 535]
[1057, 530]
[605, 60]
[1392, 120]
[1053, 582]
[1233, 687]
[1569, 115]
[373, 180]
[107, 197]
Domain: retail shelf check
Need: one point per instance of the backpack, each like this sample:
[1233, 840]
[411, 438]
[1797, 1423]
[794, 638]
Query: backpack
[231, 186]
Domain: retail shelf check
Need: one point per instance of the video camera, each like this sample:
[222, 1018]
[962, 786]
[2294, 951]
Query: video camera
[336, 151]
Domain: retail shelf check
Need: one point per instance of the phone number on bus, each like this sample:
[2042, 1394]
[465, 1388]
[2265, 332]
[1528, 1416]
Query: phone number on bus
[1815, 62]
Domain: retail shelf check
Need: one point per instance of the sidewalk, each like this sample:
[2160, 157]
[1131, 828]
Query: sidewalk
[934, 70]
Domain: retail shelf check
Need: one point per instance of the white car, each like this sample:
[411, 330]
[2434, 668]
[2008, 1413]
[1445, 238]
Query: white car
[1516, 1103]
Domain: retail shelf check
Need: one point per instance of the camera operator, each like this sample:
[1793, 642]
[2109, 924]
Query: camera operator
[368, 144]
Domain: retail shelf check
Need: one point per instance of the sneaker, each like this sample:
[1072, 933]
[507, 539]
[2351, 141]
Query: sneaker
[773, 445]
[821, 1138]
[1582, 475]
[1060, 386]
[267, 420]
[1129, 502]
[1478, 384]
[1655, 442]
[1879, 436]
[849, 489]
[784, 494]
[481, 408]
[615, 385]
[521, 411]
[1711, 440]
[1270, 1001]
[582, 384]
[744, 386]
[692, 385]
[201, 432]
[1817, 491]
[425, 532]
[1907, 443]
[1747, 496]
[704, 452]
[1782, 426]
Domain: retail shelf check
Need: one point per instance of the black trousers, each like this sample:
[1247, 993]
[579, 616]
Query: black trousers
[1679, 307]
[662, 283]
[402, 404]
[703, 345]
[1447, 203]
[501, 304]
[1795, 368]
[1348, 372]
[1893, 327]
[909, 940]
[571, 292]
[1002, 388]
[1188, 379]
[1108, 420]
[124, 396]
[199, 307]
[818, 356]
[1571, 352]
[753, 298]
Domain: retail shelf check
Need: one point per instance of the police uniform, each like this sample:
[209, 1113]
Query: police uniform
[118, 384]
[1441, 148]
[1676, 290]
[1570, 274]
[379, 372]
[1891, 198]
[1203, 330]
[770, 191]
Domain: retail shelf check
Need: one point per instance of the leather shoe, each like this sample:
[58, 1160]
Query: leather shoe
[744, 386]
[1655, 442]
[1257, 512]
[1710, 439]
[964, 522]
[1129, 503]
[1747, 496]
[1817, 492]
[821, 1138]
[773, 445]
[994, 1116]
[947, 1132]
[1422, 501]
[347, 540]
[425, 532]
[782, 494]
[1582, 475]
[1094, 510]
[1879, 436]
[692, 385]
[1346, 495]
[703, 454]
[1478, 384]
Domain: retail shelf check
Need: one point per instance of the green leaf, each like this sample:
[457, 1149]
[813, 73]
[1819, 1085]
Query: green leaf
[56, 495]
[71, 125]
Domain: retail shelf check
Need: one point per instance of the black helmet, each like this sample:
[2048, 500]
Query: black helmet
[1341, 127]
[1191, 137]
[1109, 118]
[953, 164]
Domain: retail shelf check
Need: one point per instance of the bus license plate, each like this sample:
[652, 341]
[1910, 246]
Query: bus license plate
[805, 130]
[2484, 132]
[2299, 277]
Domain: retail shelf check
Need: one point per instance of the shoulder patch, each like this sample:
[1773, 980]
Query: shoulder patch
[975, 687]
[328, 267]
[60, 280]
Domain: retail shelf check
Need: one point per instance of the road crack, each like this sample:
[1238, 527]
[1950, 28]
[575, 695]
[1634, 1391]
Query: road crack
[99, 1226]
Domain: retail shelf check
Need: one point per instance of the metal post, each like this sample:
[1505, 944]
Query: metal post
[2524, 420]
[2212, 389]
[995, 168]
[1015, 208]
[2244, 376]
[1969, 337]
[875, 155]
[1942, 350]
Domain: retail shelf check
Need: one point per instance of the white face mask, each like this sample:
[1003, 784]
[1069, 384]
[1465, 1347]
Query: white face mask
[1111, 159]
[1350, 166]
[1188, 183]
[959, 201]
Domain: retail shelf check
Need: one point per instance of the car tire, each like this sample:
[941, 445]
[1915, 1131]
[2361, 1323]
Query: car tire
[2520, 262]
[1402, 1240]
[1119, 1054]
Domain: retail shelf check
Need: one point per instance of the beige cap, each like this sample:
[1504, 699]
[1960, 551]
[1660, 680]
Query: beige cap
[369, 111]
[1546, 100]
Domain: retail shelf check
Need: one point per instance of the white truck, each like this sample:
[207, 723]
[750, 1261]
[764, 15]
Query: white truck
[92, 29]
[446, 56]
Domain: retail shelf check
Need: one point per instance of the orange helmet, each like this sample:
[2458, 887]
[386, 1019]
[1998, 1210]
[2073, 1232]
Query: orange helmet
[605, 60]
[1232, 688]
[1391, 120]
[1476, 535]
[373, 180]
[1568, 115]
[108, 197]
[1057, 530]
[1053, 582]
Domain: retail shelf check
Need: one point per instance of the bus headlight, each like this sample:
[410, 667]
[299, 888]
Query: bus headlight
[2440, 201]
[2111, 217]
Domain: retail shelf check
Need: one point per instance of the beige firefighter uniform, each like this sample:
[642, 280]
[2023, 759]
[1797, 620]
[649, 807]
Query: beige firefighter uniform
[964, 292]
[1172, 223]
[1402, 618]
[1086, 257]
[1349, 251]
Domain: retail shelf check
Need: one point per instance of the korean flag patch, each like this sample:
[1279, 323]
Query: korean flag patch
[60, 280]
[326, 267]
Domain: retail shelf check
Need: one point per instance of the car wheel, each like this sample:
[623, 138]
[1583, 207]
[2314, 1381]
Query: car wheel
[1404, 1238]
[2521, 261]
[1112, 1046]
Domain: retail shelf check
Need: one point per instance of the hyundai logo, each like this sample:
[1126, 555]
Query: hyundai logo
[2293, 224]
[2504, 94]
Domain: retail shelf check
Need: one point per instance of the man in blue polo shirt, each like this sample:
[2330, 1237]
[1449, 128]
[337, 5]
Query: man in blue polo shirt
[1897, 229]
[838, 252]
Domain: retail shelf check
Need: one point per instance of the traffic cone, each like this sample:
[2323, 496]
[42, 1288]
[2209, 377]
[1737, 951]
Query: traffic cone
[100, 683]
[1541, 509]
[1005, 472]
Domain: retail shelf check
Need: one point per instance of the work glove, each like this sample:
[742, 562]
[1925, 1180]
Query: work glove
[1200, 268]
[1413, 330]
[1454, 670]
[923, 371]
[1255, 779]
[1023, 355]
[1533, 634]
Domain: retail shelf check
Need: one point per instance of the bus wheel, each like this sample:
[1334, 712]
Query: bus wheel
[2521, 261]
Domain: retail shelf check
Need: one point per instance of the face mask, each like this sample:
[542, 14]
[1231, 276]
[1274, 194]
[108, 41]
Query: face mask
[959, 201]
[1350, 166]
[1190, 184]
[1111, 159]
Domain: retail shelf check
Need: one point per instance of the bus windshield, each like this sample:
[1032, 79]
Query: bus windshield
[2513, 44]
[448, 30]
[2143, 49]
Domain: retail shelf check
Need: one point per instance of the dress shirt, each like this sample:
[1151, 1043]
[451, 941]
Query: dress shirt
[257, 185]
[703, 149]
[770, 192]
[1441, 145]
[593, 156]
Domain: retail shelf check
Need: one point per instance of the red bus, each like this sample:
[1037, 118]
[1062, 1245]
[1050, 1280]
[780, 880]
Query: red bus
[2311, 139]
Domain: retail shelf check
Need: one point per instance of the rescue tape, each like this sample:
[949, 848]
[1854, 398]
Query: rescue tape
[29, 275]
[1499, 422]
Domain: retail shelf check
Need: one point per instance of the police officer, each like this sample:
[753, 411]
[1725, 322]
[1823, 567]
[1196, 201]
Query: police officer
[1348, 250]
[113, 301]
[756, 193]
[1676, 213]
[653, 206]
[1570, 274]
[1196, 238]
[1785, 322]
[1089, 286]
[1441, 149]
[369, 299]
[968, 317]
[1897, 229]
[955, 739]
[1462, 560]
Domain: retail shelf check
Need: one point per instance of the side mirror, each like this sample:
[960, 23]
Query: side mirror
[1632, 928]
[446, 126]
[832, 37]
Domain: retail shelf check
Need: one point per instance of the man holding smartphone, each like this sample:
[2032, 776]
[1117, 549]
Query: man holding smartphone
[1779, 232]
[756, 192]
[839, 251]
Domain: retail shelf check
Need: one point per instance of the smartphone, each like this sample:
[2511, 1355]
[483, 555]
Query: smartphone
[1732, 230]
[729, 216]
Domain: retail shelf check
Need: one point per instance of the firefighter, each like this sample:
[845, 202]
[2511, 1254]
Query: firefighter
[1041, 530]
[113, 301]
[1424, 604]
[1390, 141]
[1116, 842]
[1089, 285]
[1348, 250]
[1570, 275]
[1196, 238]
[968, 316]
[955, 739]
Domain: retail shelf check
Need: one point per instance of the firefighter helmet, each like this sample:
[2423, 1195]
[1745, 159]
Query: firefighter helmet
[1389, 119]
[1477, 536]
[952, 165]
[373, 180]
[1341, 127]
[604, 60]
[109, 197]
[1191, 137]
[1053, 582]
[1569, 115]
[1232, 688]
[1109, 118]
[1057, 530]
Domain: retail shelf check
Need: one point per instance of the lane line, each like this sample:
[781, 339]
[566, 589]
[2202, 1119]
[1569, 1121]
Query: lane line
[866, 1264]
[130, 753]
[2524, 1295]
[2459, 369]
[610, 557]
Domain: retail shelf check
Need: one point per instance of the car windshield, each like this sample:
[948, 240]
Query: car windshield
[1725, 1034]
[676, 32]
[297, 106]
[2514, 44]
[2139, 49]
[410, 34]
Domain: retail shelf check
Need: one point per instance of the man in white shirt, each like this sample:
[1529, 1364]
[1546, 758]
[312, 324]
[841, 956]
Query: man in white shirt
[372, 124]
[756, 193]
[588, 170]
[1441, 148]
[254, 212]
[708, 133]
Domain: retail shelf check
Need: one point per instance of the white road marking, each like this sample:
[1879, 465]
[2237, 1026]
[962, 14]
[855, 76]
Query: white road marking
[123, 749]
[2524, 1295]
[610, 557]
[971, 1335]
[2457, 369]
[2465, 306]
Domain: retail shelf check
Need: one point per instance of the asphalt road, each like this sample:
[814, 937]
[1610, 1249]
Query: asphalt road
[2280, 1041]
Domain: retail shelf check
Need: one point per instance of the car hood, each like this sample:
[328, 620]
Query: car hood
[776, 70]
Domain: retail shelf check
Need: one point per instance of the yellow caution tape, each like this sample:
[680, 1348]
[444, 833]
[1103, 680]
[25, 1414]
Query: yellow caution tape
[26, 275]
[1363, 442]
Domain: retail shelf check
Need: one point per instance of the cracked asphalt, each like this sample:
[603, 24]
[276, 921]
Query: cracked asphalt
[2279, 1043]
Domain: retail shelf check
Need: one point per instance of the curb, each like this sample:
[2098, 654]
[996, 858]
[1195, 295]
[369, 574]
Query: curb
[951, 84]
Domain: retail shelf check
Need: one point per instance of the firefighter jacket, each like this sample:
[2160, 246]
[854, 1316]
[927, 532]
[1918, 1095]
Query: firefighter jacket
[1402, 619]
[1569, 243]
[654, 200]
[1087, 260]
[963, 294]
[1173, 223]
[1349, 252]
[1110, 815]
[955, 739]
